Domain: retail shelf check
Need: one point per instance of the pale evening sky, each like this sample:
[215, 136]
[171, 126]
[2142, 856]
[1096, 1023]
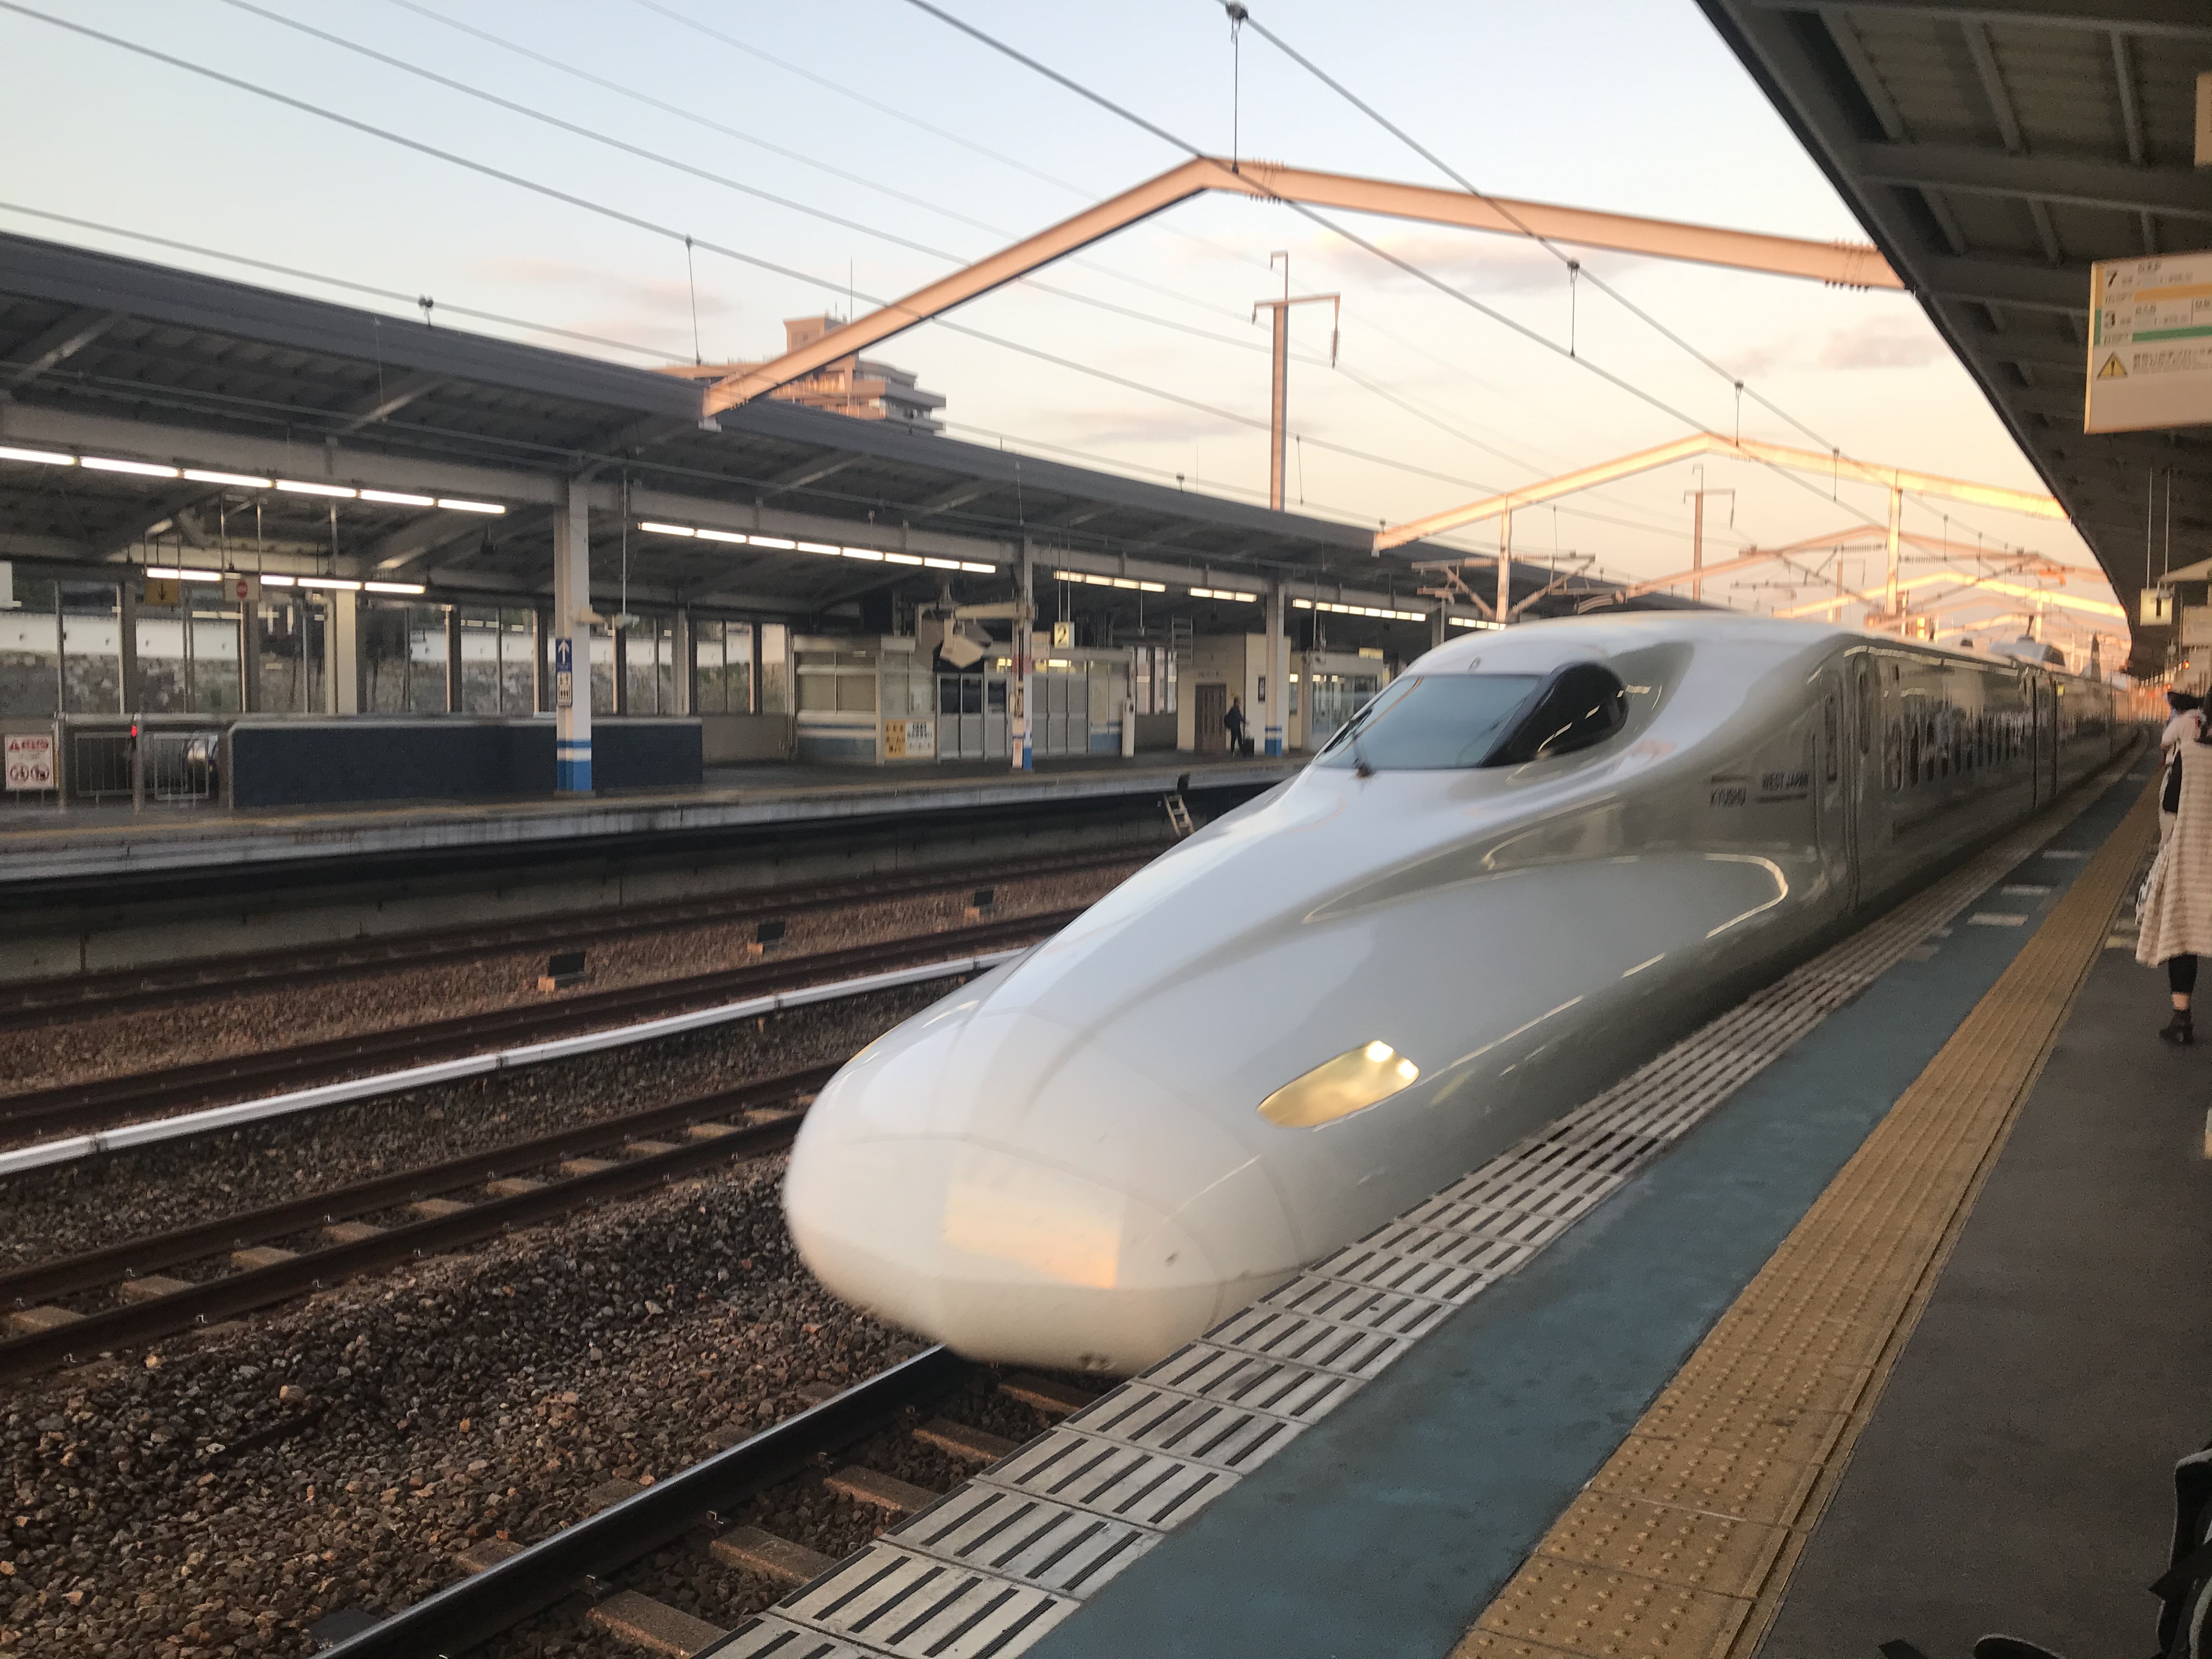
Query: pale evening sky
[923, 135]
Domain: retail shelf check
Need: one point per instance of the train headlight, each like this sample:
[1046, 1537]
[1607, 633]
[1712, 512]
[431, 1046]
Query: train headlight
[1354, 1080]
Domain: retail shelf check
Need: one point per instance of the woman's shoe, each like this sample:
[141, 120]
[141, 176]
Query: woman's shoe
[2178, 1030]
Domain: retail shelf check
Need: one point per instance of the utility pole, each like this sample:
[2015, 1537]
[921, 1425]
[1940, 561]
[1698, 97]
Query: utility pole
[1893, 600]
[1278, 407]
[1275, 684]
[1504, 610]
[1697, 529]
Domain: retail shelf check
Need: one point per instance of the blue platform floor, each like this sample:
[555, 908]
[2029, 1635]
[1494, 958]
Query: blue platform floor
[1384, 1530]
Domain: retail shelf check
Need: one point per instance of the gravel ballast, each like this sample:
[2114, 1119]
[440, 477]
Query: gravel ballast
[79, 1050]
[218, 1497]
[65, 1209]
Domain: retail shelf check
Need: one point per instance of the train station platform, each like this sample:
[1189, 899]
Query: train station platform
[1889, 1323]
[42, 845]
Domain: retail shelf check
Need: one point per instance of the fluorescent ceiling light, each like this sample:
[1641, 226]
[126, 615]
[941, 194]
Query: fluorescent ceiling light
[1223, 594]
[243, 480]
[901, 558]
[338, 582]
[1360, 610]
[392, 587]
[818, 547]
[942, 564]
[38, 457]
[143, 469]
[721, 536]
[980, 570]
[296, 487]
[170, 572]
[398, 498]
[453, 506]
[268, 581]
[776, 541]
[668, 528]
[868, 553]
[1473, 622]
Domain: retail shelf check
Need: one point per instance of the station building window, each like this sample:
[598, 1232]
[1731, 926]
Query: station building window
[188, 655]
[289, 672]
[59, 646]
[403, 658]
[648, 665]
[1154, 684]
[497, 651]
[721, 666]
[840, 681]
[774, 645]
[602, 671]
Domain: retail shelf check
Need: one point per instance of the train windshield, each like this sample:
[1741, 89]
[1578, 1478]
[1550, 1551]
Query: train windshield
[1430, 722]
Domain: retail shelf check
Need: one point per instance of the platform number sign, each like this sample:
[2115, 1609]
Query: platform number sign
[30, 760]
[564, 673]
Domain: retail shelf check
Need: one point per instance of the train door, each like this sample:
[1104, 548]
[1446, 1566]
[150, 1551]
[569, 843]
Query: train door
[1212, 707]
[1862, 796]
[2046, 737]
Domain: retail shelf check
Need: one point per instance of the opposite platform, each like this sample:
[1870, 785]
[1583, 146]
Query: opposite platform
[48, 846]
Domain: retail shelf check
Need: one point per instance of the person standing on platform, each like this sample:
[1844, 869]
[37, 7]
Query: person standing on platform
[2177, 903]
[2185, 703]
[1234, 721]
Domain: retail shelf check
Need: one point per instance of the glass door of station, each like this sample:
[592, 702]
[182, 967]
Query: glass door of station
[971, 717]
[1335, 699]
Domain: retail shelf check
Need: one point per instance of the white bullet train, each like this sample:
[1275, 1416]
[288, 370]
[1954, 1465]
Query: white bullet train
[1536, 858]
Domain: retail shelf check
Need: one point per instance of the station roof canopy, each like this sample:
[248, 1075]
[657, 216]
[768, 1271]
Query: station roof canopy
[104, 354]
[1994, 149]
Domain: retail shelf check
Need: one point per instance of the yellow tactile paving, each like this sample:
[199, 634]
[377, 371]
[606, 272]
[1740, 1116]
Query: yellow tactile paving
[1560, 1605]
[1683, 1543]
[1654, 1540]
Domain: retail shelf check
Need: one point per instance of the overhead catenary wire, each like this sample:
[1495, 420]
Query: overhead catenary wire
[663, 105]
[1576, 269]
[1317, 217]
[350, 285]
[638, 223]
[347, 283]
[642, 152]
[949, 257]
[689, 240]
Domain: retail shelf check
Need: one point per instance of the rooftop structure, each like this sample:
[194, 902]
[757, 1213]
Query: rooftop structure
[858, 387]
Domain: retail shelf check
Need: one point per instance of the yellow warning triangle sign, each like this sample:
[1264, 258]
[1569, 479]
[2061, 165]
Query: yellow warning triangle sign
[2112, 370]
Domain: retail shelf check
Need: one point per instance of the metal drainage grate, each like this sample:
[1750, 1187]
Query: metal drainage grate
[991, 1567]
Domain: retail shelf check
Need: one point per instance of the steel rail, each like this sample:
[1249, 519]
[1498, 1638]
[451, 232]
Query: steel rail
[240, 1292]
[153, 1252]
[464, 1614]
[87, 1105]
[39, 1002]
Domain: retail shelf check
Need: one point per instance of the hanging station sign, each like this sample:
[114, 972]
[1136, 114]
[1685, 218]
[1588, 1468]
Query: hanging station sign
[2150, 344]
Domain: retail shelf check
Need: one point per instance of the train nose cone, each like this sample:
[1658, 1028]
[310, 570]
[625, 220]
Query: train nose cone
[1080, 1216]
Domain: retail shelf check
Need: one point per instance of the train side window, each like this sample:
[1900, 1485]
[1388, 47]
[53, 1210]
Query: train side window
[1868, 696]
[1828, 737]
[1581, 706]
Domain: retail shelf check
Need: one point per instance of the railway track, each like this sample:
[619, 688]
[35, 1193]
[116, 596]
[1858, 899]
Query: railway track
[77, 1107]
[510, 1186]
[37, 1002]
[580, 1566]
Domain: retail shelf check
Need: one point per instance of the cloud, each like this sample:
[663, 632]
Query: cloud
[1473, 260]
[647, 294]
[1878, 343]
[1883, 342]
[1162, 424]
